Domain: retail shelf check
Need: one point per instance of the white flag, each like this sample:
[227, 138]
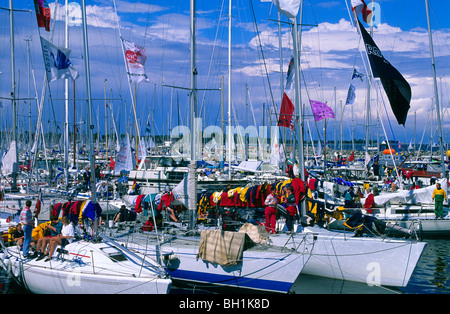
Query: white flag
[136, 57]
[9, 161]
[286, 7]
[57, 63]
[124, 160]
[351, 96]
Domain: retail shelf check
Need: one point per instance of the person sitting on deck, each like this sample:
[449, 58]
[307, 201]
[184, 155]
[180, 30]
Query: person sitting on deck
[67, 235]
[51, 230]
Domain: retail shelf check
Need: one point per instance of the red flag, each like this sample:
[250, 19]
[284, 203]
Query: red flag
[38, 205]
[286, 113]
[352, 157]
[359, 6]
[42, 14]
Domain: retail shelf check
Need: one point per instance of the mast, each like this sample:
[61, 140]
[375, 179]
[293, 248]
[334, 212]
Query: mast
[192, 179]
[436, 94]
[13, 96]
[229, 91]
[66, 101]
[298, 110]
[89, 103]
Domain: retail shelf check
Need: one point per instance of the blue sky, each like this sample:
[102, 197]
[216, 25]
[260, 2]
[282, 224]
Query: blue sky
[330, 49]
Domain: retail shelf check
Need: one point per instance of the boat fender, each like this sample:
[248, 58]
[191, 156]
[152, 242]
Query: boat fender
[171, 261]
[16, 268]
[306, 221]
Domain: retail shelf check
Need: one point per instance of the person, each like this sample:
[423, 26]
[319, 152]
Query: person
[67, 235]
[103, 190]
[18, 235]
[26, 219]
[271, 211]
[438, 197]
[369, 202]
[290, 208]
[386, 184]
[51, 230]
[395, 184]
[124, 215]
[349, 197]
[376, 169]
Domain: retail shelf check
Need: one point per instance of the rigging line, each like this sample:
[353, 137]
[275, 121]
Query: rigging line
[319, 53]
[264, 61]
[212, 56]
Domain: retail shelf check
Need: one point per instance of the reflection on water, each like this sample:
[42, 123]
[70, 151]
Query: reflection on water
[432, 272]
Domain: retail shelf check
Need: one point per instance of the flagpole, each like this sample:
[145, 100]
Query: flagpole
[436, 94]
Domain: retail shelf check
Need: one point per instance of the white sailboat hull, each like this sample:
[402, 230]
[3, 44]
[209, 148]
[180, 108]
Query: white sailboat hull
[87, 268]
[375, 261]
[266, 270]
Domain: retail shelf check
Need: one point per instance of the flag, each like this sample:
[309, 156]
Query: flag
[357, 74]
[57, 63]
[321, 110]
[286, 113]
[351, 157]
[290, 74]
[39, 204]
[42, 14]
[135, 56]
[351, 96]
[394, 84]
[286, 7]
[358, 7]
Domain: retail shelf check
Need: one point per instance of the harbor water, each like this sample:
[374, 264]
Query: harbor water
[431, 276]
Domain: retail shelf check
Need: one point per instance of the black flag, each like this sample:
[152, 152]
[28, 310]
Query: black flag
[396, 87]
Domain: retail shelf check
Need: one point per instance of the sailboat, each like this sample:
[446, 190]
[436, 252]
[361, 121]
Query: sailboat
[89, 264]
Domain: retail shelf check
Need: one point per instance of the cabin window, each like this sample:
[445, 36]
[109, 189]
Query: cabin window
[114, 254]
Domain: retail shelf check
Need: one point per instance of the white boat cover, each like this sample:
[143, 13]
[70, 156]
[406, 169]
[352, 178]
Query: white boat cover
[419, 196]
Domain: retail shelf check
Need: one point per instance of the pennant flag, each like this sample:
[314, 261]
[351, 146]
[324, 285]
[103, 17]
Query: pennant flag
[57, 63]
[42, 14]
[394, 84]
[136, 57]
[286, 113]
[357, 74]
[286, 7]
[358, 7]
[351, 96]
[321, 110]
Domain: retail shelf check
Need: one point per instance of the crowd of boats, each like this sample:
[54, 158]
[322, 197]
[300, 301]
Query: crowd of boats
[228, 246]
[174, 220]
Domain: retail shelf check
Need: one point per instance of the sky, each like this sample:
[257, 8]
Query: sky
[330, 49]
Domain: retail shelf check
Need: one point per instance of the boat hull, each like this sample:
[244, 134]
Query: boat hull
[375, 261]
[270, 269]
[87, 268]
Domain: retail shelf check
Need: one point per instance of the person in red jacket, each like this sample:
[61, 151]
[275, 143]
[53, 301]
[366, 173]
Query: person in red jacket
[271, 211]
[370, 201]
